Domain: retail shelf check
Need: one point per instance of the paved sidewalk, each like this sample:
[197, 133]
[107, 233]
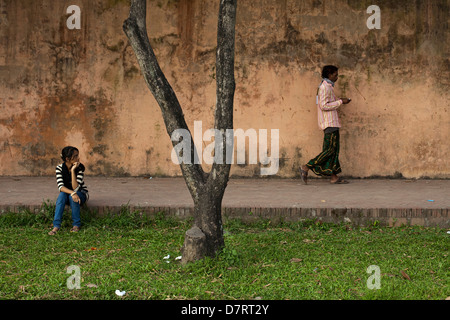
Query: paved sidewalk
[362, 201]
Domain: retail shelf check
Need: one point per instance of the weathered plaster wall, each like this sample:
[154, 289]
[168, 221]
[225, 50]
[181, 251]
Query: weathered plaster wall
[84, 88]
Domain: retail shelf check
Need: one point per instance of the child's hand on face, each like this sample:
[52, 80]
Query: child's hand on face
[75, 165]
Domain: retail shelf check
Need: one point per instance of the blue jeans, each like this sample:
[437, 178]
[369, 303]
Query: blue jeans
[61, 202]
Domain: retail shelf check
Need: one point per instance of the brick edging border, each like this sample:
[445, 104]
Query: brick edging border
[356, 216]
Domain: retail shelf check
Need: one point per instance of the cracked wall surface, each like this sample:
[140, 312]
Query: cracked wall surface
[84, 88]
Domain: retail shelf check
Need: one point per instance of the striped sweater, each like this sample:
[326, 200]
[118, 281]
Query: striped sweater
[64, 178]
[327, 106]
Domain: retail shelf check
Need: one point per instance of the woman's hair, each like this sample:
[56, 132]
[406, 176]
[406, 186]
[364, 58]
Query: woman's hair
[328, 70]
[68, 152]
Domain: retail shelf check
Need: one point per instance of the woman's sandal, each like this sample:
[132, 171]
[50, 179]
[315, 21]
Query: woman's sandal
[340, 181]
[75, 229]
[53, 232]
[304, 175]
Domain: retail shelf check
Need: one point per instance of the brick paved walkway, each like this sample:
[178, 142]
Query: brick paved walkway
[362, 201]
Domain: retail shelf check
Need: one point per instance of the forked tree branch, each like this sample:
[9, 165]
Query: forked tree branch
[136, 30]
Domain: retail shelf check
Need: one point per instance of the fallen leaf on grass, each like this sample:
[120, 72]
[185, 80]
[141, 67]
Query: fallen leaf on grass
[405, 275]
[120, 293]
[296, 260]
[114, 250]
[267, 265]
[91, 285]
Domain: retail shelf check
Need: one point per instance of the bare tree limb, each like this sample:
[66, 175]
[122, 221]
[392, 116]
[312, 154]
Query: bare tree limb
[136, 30]
[225, 82]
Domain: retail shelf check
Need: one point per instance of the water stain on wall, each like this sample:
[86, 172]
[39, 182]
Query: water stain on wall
[84, 87]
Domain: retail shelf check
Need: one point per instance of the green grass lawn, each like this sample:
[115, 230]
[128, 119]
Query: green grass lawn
[304, 260]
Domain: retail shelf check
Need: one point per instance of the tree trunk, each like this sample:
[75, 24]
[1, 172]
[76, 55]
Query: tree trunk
[206, 189]
[205, 238]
